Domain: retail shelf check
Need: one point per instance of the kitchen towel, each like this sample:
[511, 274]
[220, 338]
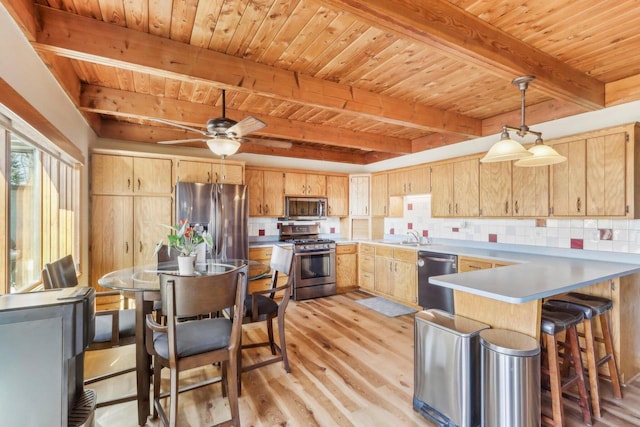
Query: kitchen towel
[386, 307]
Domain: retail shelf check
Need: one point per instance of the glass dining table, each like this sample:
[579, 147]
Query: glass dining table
[143, 284]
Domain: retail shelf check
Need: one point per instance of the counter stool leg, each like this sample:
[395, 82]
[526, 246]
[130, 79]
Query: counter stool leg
[593, 362]
[572, 337]
[555, 382]
[613, 365]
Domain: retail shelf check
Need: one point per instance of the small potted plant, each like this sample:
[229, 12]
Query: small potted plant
[185, 239]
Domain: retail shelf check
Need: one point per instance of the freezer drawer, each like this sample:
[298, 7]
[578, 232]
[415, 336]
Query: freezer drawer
[447, 368]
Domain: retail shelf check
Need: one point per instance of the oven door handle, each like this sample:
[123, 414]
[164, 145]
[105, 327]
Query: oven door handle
[313, 252]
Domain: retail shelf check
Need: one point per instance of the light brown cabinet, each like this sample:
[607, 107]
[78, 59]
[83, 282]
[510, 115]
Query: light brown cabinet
[346, 267]
[409, 181]
[466, 264]
[359, 195]
[455, 189]
[209, 172]
[125, 231]
[606, 180]
[569, 180]
[266, 192]
[495, 189]
[379, 194]
[598, 177]
[337, 195]
[367, 267]
[396, 273]
[305, 184]
[113, 174]
[530, 191]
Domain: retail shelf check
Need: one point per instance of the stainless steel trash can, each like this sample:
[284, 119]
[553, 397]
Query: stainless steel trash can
[447, 368]
[510, 379]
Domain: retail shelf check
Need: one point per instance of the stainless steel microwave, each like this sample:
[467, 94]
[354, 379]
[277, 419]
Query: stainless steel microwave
[305, 208]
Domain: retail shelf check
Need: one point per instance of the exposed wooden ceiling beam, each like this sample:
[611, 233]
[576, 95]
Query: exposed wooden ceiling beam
[94, 41]
[151, 134]
[140, 106]
[442, 25]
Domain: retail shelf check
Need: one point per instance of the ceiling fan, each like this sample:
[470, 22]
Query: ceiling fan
[223, 135]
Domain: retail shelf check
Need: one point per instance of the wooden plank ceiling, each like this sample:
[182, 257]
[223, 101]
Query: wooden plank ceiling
[353, 81]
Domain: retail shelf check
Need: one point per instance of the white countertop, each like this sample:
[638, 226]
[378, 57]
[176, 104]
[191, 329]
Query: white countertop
[533, 277]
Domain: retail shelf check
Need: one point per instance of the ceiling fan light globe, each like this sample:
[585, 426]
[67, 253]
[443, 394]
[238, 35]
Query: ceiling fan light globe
[223, 146]
[542, 155]
[505, 150]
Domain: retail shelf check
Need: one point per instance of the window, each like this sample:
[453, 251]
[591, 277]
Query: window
[41, 221]
[24, 215]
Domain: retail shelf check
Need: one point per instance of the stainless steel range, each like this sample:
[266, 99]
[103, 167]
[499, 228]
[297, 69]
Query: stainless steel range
[314, 261]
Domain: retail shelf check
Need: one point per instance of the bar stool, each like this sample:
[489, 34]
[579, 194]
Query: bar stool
[556, 323]
[594, 307]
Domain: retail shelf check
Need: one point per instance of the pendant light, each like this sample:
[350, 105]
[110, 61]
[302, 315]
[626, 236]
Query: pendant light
[507, 149]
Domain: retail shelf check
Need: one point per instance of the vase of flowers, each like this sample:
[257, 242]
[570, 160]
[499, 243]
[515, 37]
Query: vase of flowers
[186, 239]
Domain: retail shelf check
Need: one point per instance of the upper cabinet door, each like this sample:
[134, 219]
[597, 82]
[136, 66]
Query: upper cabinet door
[226, 173]
[152, 176]
[606, 177]
[569, 180]
[111, 174]
[530, 191]
[442, 190]
[466, 188]
[316, 185]
[495, 189]
[190, 171]
[359, 195]
[305, 184]
[379, 194]
[338, 195]
[273, 196]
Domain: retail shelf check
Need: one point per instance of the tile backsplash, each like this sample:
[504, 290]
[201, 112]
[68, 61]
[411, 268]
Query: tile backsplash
[269, 228]
[612, 235]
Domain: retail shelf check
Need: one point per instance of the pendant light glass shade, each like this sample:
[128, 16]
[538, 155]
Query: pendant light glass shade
[504, 150]
[543, 155]
[223, 146]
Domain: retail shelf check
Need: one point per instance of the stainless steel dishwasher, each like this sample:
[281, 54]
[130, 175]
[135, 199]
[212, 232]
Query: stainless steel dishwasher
[435, 264]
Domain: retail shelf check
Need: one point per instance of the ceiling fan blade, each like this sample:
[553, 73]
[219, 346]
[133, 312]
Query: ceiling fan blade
[180, 141]
[246, 126]
[168, 122]
[271, 142]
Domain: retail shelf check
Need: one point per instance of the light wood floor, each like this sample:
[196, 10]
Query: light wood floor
[350, 367]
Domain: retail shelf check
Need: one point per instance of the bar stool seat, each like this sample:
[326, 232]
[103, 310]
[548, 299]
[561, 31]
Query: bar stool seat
[558, 323]
[594, 307]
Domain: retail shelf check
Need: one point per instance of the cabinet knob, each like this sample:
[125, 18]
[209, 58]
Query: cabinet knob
[515, 206]
[139, 183]
[506, 207]
[266, 209]
[578, 204]
[128, 183]
[126, 247]
[140, 249]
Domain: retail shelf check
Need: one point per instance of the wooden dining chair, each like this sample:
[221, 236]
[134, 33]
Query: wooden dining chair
[200, 341]
[265, 305]
[113, 328]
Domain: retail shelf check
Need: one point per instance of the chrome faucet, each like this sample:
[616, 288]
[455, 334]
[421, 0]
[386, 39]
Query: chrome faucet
[415, 235]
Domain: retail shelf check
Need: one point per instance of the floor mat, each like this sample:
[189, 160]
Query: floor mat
[386, 307]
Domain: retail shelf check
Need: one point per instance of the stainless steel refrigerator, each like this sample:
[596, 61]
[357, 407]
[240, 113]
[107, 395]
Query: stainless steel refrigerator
[220, 209]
